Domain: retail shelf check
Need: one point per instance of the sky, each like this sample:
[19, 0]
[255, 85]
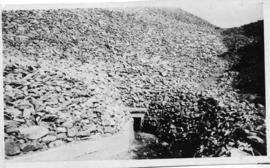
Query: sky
[222, 13]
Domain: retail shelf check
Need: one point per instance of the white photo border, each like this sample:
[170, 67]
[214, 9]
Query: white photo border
[149, 162]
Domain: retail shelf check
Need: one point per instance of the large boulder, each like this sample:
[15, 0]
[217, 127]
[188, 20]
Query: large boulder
[34, 132]
[12, 148]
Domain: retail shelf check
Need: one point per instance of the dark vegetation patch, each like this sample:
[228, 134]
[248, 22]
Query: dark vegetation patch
[246, 56]
[196, 125]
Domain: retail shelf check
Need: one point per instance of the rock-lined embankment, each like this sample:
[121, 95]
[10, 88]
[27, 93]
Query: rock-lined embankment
[45, 107]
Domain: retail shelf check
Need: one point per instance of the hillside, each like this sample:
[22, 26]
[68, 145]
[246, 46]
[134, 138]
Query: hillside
[70, 74]
[246, 56]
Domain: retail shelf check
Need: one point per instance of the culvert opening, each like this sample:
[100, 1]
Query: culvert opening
[137, 115]
[137, 123]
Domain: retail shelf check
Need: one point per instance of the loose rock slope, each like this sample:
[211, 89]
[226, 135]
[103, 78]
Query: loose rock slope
[69, 74]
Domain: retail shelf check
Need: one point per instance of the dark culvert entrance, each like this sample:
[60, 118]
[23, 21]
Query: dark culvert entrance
[145, 144]
[138, 116]
[136, 124]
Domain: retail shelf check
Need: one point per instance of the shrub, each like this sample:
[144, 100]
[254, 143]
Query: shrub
[196, 126]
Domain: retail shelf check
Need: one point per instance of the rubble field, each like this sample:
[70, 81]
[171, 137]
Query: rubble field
[70, 75]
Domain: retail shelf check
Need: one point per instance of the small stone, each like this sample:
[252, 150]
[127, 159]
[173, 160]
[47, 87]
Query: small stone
[108, 129]
[69, 139]
[84, 116]
[106, 122]
[23, 104]
[72, 132]
[23, 147]
[51, 110]
[35, 102]
[28, 112]
[12, 148]
[83, 133]
[13, 111]
[60, 120]
[48, 138]
[8, 88]
[164, 144]
[49, 118]
[61, 129]
[21, 120]
[260, 105]
[34, 132]
[90, 128]
[30, 147]
[56, 143]
[85, 121]
[11, 130]
[11, 123]
[58, 89]
[62, 136]
[21, 141]
[68, 124]
[8, 116]
[76, 113]
[98, 113]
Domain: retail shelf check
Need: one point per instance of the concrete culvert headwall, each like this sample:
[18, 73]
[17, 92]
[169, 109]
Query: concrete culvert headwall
[137, 115]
